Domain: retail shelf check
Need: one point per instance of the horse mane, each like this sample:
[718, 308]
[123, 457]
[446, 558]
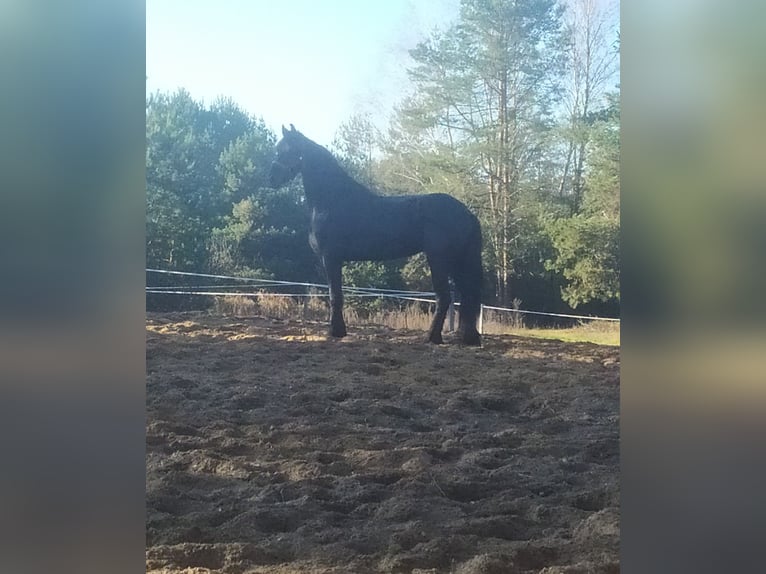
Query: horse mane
[332, 169]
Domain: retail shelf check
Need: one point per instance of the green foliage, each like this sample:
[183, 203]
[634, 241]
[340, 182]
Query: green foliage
[416, 274]
[243, 165]
[373, 274]
[602, 187]
[266, 235]
[384, 275]
[586, 246]
[354, 145]
[184, 201]
[588, 256]
[208, 204]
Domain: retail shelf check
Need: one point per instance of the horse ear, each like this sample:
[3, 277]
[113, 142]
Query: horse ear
[284, 130]
[292, 128]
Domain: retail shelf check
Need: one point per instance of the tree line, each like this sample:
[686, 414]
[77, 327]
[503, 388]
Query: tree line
[514, 110]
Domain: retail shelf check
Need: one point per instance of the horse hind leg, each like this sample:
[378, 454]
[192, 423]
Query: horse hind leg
[468, 282]
[440, 280]
[467, 331]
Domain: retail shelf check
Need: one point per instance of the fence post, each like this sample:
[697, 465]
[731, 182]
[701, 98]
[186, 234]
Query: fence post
[481, 319]
[451, 307]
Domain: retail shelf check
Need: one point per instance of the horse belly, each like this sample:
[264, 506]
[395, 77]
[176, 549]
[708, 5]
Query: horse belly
[379, 253]
[380, 242]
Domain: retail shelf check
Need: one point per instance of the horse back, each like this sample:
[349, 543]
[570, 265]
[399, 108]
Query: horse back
[389, 227]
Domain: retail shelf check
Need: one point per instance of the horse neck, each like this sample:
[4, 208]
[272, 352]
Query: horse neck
[325, 182]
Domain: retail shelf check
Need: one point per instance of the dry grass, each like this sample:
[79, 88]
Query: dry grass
[298, 308]
[597, 332]
[408, 316]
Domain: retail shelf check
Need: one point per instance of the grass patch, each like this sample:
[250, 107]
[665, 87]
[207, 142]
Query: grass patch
[579, 334]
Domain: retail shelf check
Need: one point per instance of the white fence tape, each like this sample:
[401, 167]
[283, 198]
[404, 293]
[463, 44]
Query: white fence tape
[354, 291]
[175, 291]
[550, 314]
[274, 282]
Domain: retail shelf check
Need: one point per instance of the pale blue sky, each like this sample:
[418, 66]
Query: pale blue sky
[312, 63]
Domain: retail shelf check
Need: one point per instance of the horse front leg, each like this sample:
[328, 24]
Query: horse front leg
[440, 282]
[333, 269]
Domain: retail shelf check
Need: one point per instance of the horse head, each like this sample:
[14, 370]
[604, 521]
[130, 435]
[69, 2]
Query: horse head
[289, 157]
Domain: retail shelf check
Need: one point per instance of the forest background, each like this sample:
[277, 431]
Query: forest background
[514, 109]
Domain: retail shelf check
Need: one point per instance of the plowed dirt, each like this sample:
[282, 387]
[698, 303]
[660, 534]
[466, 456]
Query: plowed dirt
[272, 449]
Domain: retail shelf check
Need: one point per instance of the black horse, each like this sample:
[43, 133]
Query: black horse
[351, 223]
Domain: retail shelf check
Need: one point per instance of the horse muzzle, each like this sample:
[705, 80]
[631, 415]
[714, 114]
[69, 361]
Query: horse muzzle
[280, 174]
[277, 175]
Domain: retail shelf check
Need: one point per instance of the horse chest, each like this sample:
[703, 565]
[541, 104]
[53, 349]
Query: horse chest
[321, 231]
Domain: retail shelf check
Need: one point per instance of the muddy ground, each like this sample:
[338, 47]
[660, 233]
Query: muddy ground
[271, 449]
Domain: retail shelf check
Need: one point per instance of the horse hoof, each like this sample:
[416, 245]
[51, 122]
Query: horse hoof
[435, 340]
[472, 340]
[339, 334]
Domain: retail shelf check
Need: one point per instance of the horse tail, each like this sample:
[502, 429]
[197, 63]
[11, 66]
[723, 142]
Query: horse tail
[468, 275]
